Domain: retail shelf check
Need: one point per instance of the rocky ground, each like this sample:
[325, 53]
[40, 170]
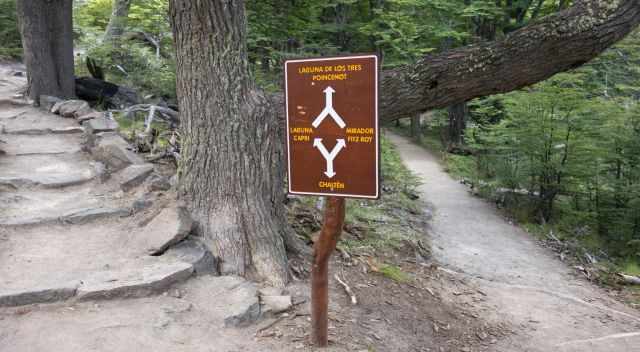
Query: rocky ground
[94, 253]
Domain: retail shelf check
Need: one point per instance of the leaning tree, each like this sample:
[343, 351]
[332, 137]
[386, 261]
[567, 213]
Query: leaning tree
[117, 20]
[46, 28]
[231, 166]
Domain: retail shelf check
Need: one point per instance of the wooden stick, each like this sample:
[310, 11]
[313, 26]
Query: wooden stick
[629, 279]
[266, 327]
[322, 249]
[354, 300]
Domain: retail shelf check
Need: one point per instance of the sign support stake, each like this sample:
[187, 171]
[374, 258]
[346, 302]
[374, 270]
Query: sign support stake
[325, 245]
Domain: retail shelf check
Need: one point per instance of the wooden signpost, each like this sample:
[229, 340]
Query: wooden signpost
[332, 149]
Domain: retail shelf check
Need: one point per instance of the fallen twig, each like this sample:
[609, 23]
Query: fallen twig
[346, 287]
[162, 112]
[269, 325]
[553, 237]
[345, 255]
[156, 157]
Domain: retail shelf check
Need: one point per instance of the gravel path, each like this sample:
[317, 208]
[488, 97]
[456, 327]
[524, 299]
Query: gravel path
[526, 284]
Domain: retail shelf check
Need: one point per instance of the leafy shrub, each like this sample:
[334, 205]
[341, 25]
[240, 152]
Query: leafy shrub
[93, 15]
[132, 64]
[130, 61]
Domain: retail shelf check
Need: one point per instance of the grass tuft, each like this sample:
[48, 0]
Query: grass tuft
[394, 273]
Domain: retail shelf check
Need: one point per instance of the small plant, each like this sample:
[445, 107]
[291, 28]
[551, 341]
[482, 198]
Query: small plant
[394, 273]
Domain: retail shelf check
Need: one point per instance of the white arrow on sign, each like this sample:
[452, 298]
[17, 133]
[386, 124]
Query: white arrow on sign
[317, 143]
[328, 110]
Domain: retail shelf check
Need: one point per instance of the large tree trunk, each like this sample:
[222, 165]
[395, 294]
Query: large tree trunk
[118, 20]
[553, 44]
[46, 28]
[230, 170]
[416, 128]
[457, 124]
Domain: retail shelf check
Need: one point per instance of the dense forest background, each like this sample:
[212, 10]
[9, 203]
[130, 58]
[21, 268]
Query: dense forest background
[562, 157]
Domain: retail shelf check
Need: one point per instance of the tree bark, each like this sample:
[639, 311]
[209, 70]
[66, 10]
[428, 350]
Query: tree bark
[416, 128]
[230, 170]
[47, 40]
[457, 123]
[118, 20]
[553, 44]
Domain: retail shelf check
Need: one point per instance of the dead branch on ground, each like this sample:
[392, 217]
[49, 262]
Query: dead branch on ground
[347, 289]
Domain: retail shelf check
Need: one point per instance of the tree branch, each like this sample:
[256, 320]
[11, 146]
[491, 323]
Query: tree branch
[556, 43]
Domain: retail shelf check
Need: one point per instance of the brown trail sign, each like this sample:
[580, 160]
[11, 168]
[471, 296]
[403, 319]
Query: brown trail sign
[333, 150]
[332, 126]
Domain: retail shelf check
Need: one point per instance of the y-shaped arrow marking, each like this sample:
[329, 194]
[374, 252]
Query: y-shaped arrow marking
[317, 142]
[328, 110]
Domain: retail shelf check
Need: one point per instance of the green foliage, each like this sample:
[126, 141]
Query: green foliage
[561, 146]
[132, 64]
[92, 15]
[565, 154]
[10, 43]
[393, 170]
[384, 223]
[130, 61]
[394, 273]
[462, 166]
[150, 16]
[631, 268]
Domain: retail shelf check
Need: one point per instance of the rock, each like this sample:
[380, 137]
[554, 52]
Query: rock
[142, 203]
[270, 291]
[159, 183]
[113, 151]
[47, 102]
[69, 108]
[102, 174]
[133, 175]
[85, 215]
[242, 307]
[275, 304]
[14, 298]
[68, 130]
[90, 116]
[83, 112]
[100, 124]
[171, 226]
[4, 102]
[151, 278]
[194, 252]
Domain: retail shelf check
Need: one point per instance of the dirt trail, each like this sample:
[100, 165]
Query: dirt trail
[525, 284]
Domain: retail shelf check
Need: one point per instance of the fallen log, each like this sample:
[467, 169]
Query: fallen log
[629, 279]
[97, 91]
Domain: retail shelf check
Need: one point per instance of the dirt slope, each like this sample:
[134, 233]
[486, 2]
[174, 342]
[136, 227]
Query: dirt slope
[524, 283]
